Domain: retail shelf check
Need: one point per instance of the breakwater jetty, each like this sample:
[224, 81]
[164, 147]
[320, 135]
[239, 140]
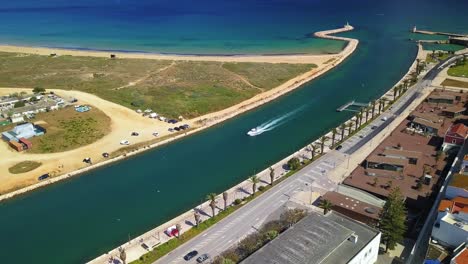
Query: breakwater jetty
[427, 32]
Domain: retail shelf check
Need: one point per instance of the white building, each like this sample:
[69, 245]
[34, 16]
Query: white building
[325, 239]
[451, 227]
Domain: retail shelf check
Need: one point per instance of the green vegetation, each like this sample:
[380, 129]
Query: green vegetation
[170, 245]
[455, 83]
[460, 69]
[271, 75]
[68, 129]
[392, 219]
[435, 56]
[294, 163]
[24, 166]
[171, 88]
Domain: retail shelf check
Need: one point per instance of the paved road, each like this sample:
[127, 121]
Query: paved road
[313, 177]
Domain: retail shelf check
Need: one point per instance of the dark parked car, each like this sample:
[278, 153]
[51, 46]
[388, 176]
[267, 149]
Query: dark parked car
[135, 134]
[176, 129]
[339, 147]
[186, 126]
[190, 255]
[202, 258]
[171, 130]
[172, 121]
[105, 155]
[182, 127]
[43, 177]
[373, 127]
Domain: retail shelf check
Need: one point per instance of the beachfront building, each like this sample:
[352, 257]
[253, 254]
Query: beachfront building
[454, 111]
[455, 137]
[442, 98]
[425, 126]
[327, 239]
[353, 208]
[463, 41]
[18, 137]
[451, 226]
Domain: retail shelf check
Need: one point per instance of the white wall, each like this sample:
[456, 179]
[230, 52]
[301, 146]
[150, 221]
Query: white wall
[368, 255]
[449, 234]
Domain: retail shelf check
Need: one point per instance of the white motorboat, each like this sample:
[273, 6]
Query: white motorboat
[254, 132]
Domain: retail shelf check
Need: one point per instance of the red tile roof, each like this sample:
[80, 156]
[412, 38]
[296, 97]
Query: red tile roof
[459, 129]
[444, 204]
[462, 258]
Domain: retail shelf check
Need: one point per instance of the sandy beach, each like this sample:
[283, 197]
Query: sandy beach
[67, 164]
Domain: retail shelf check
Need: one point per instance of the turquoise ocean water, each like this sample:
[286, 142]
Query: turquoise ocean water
[78, 219]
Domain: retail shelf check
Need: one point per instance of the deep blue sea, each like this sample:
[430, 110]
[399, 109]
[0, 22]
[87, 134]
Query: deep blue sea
[76, 220]
[214, 27]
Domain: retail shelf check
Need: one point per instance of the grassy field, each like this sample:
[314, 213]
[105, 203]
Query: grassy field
[430, 59]
[24, 166]
[171, 88]
[459, 71]
[68, 129]
[455, 83]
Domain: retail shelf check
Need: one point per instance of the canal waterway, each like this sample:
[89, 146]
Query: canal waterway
[78, 219]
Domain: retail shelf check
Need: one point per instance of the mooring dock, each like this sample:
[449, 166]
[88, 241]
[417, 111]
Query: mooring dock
[350, 103]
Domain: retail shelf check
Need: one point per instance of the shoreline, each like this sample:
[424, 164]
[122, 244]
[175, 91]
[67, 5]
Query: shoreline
[298, 58]
[215, 118]
[189, 213]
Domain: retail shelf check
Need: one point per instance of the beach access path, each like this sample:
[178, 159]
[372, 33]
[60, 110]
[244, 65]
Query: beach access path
[67, 164]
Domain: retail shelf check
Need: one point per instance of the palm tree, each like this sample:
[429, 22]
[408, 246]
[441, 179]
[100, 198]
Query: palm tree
[373, 108]
[343, 128]
[254, 179]
[272, 176]
[326, 205]
[322, 143]
[380, 105]
[333, 136]
[314, 150]
[367, 109]
[383, 103]
[197, 218]
[356, 122]
[212, 198]
[418, 70]
[123, 255]
[225, 198]
[361, 115]
[350, 127]
[179, 228]
[395, 91]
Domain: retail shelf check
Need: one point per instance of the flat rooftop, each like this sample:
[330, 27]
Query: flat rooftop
[316, 239]
[355, 205]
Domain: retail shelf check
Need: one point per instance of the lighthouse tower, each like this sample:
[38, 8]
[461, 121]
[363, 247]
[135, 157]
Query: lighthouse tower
[414, 29]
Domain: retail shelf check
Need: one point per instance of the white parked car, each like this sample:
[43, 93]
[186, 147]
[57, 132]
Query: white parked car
[124, 142]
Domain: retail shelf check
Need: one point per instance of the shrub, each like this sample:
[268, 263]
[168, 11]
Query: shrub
[19, 104]
[294, 163]
[237, 201]
[38, 90]
[261, 188]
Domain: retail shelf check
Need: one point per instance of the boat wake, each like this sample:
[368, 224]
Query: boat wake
[273, 123]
